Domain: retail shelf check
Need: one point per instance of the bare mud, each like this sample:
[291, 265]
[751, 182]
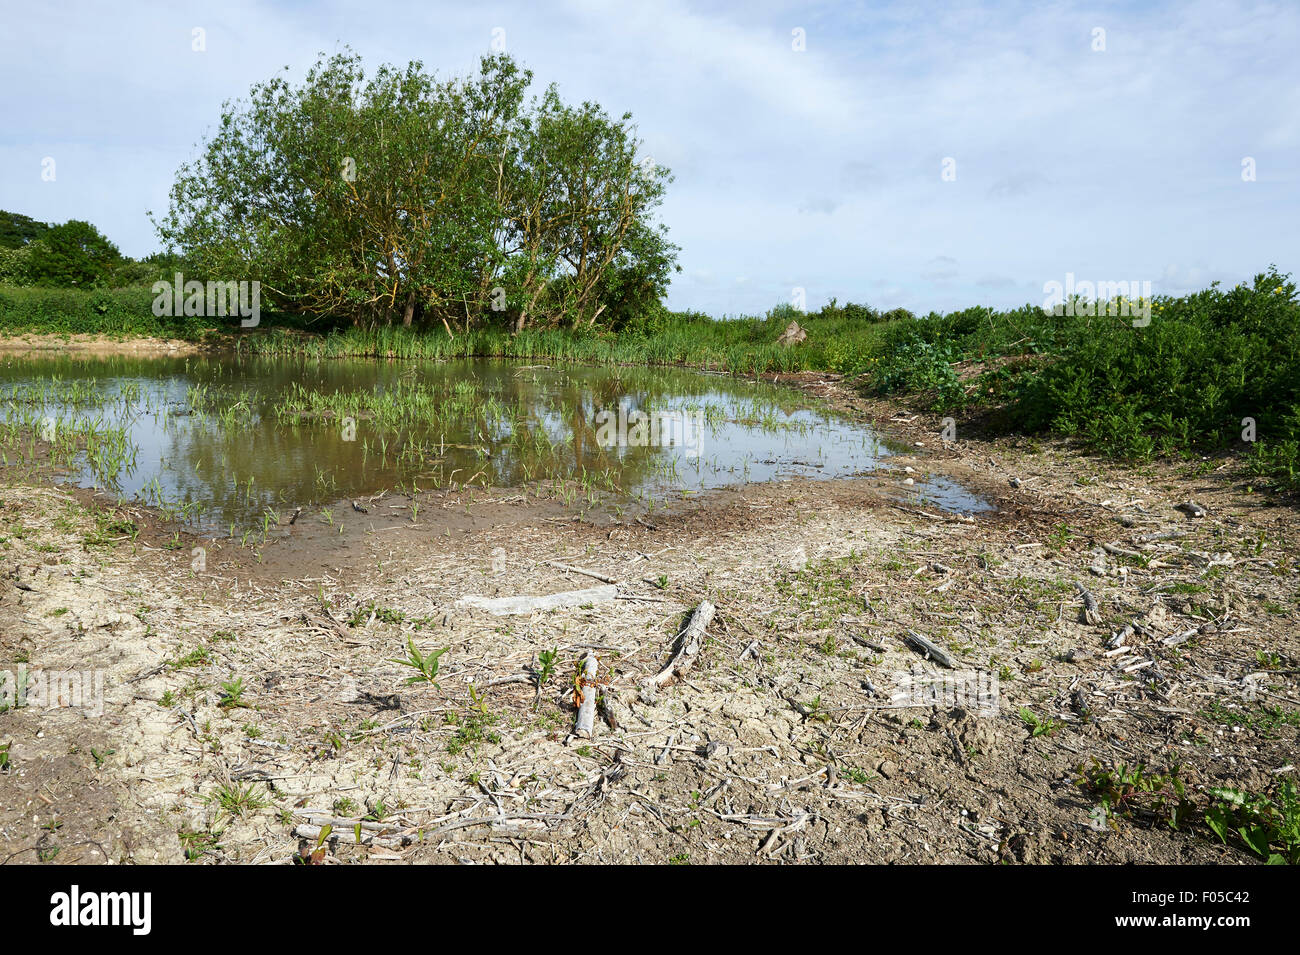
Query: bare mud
[254, 709]
[32, 344]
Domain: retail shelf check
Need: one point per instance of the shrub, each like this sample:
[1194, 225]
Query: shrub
[92, 311]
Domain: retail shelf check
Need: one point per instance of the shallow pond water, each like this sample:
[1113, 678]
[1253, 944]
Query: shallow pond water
[220, 441]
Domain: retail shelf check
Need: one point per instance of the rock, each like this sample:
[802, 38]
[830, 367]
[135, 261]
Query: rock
[711, 749]
[1157, 615]
[888, 768]
[792, 336]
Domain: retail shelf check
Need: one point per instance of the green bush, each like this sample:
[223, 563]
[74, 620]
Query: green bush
[923, 368]
[15, 265]
[73, 254]
[126, 311]
[1189, 381]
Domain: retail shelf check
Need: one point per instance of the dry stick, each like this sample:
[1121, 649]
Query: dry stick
[931, 649]
[692, 638]
[394, 841]
[1120, 551]
[512, 678]
[1161, 536]
[584, 572]
[1089, 613]
[587, 709]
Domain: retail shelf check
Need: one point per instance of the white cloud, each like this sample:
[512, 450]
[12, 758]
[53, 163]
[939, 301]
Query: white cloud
[818, 168]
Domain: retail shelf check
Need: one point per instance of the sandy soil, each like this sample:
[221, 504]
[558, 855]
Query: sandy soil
[808, 729]
[33, 344]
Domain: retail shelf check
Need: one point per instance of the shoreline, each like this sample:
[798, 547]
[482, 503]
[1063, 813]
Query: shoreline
[772, 749]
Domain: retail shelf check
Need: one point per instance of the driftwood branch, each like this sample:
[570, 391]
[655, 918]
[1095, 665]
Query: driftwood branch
[932, 650]
[587, 708]
[692, 639]
[503, 606]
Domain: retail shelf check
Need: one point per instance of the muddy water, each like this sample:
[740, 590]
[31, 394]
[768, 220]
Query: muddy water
[220, 441]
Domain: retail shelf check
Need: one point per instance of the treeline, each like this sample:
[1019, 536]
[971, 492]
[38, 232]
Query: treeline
[69, 255]
[401, 198]
[1213, 371]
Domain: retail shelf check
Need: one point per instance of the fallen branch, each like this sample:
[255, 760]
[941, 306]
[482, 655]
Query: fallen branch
[932, 650]
[580, 570]
[503, 606]
[587, 708]
[1120, 551]
[692, 638]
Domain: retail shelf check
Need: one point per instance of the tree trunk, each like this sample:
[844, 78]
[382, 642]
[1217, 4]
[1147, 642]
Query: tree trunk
[408, 314]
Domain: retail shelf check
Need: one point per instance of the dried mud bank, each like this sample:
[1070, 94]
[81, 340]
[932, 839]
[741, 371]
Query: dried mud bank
[253, 710]
[36, 344]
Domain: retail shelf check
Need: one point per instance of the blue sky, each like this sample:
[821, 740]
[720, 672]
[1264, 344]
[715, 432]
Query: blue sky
[819, 168]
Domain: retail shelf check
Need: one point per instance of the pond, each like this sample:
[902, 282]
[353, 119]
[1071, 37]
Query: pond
[218, 442]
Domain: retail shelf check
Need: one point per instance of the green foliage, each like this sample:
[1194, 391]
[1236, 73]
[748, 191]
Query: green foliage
[1038, 725]
[17, 230]
[1269, 827]
[1180, 385]
[238, 800]
[546, 660]
[1136, 791]
[74, 254]
[925, 368]
[232, 695]
[15, 265]
[97, 312]
[1184, 383]
[451, 203]
[425, 666]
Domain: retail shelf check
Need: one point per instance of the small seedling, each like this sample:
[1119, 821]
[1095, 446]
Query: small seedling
[232, 695]
[546, 665]
[1038, 725]
[425, 665]
[238, 800]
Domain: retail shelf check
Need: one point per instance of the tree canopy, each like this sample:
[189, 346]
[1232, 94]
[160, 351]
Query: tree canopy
[74, 253]
[16, 230]
[403, 197]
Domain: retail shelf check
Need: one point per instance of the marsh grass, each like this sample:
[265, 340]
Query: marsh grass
[1207, 367]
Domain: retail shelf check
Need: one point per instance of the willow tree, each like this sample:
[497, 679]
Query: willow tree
[404, 197]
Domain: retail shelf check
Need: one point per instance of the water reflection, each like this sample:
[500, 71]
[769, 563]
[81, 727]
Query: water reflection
[222, 439]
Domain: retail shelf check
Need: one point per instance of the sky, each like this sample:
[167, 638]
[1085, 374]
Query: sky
[924, 156]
